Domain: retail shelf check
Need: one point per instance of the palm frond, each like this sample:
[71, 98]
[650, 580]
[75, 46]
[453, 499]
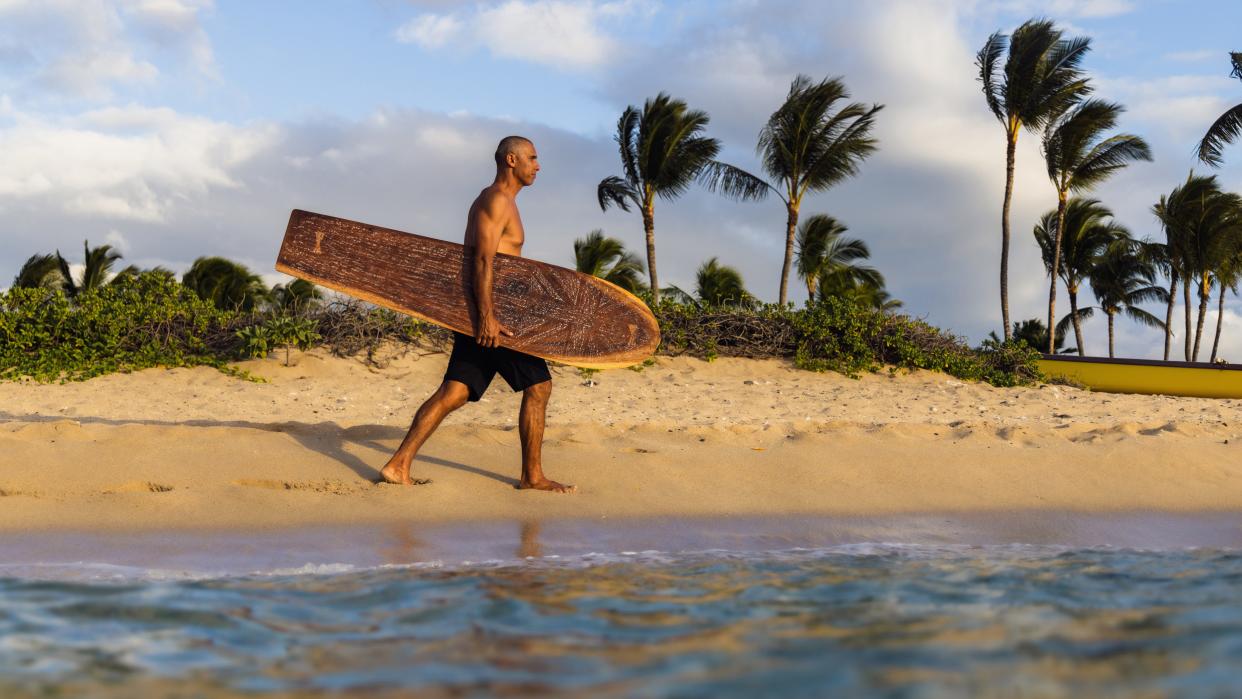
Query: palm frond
[616, 191]
[1143, 317]
[40, 271]
[1222, 132]
[986, 60]
[733, 182]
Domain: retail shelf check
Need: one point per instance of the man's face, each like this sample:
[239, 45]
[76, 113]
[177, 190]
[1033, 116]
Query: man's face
[525, 162]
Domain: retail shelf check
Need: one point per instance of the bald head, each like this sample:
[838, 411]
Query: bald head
[510, 144]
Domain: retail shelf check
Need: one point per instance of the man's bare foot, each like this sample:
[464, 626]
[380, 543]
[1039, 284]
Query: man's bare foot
[399, 476]
[545, 484]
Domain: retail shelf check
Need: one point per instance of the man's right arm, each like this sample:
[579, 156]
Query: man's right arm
[489, 225]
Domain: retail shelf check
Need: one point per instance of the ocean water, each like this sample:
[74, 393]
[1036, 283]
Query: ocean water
[847, 619]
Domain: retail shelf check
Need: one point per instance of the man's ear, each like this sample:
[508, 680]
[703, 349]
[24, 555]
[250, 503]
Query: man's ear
[511, 158]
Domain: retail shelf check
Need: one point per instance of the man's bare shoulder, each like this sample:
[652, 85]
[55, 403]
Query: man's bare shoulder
[493, 201]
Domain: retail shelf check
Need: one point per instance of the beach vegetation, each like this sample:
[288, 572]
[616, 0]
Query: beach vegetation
[1034, 333]
[1122, 278]
[810, 143]
[1202, 225]
[721, 285]
[1089, 228]
[1038, 79]
[1226, 128]
[663, 151]
[225, 284]
[138, 321]
[297, 295]
[40, 272]
[838, 334]
[1080, 155]
[601, 256]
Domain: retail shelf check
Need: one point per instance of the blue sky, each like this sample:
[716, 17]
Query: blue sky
[179, 128]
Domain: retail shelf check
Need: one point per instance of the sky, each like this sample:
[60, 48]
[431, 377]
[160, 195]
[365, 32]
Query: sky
[174, 129]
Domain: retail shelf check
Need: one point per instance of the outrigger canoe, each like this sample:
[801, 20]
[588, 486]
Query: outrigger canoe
[1198, 379]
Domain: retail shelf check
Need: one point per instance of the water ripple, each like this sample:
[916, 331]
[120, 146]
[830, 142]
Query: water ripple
[902, 621]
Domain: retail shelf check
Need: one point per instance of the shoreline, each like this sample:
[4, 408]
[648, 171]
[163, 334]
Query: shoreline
[356, 548]
[193, 449]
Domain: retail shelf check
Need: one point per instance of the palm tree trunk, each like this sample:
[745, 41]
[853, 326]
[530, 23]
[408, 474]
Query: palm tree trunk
[649, 229]
[1220, 315]
[811, 283]
[1168, 313]
[1186, 298]
[1205, 295]
[791, 225]
[1056, 264]
[1110, 334]
[1073, 294]
[1011, 148]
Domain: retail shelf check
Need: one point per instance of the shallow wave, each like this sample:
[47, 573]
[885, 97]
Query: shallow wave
[105, 572]
[895, 619]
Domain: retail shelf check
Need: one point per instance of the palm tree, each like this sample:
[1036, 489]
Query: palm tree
[1222, 242]
[1228, 274]
[821, 249]
[1034, 334]
[869, 293]
[1180, 213]
[662, 153]
[1122, 279]
[98, 263]
[1079, 156]
[1088, 230]
[227, 284]
[1203, 226]
[1227, 126]
[607, 258]
[40, 271]
[295, 296]
[720, 285]
[134, 271]
[1040, 79]
[808, 145]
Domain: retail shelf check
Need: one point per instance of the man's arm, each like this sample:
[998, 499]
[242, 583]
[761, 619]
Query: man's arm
[489, 225]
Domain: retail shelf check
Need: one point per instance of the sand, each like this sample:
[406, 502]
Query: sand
[194, 448]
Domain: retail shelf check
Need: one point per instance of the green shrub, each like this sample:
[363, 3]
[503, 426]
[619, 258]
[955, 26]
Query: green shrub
[291, 331]
[140, 321]
[152, 320]
[838, 335]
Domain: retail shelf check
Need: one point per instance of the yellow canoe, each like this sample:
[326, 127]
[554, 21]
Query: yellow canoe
[1148, 376]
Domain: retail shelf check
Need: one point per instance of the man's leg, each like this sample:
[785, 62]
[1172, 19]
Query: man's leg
[449, 397]
[530, 426]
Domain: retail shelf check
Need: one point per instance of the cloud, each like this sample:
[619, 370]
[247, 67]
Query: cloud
[1195, 56]
[1086, 9]
[88, 49]
[561, 34]
[177, 24]
[119, 163]
[429, 31]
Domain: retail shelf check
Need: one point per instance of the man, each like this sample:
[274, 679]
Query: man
[492, 226]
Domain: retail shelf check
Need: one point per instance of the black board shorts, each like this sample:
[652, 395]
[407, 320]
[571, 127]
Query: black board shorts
[476, 366]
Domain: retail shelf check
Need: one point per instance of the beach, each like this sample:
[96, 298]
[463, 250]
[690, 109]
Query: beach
[193, 448]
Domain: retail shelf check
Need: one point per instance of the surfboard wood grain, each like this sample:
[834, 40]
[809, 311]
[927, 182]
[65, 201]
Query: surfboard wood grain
[554, 312]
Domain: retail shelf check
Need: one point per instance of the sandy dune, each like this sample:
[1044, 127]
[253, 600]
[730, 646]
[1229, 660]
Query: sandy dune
[195, 448]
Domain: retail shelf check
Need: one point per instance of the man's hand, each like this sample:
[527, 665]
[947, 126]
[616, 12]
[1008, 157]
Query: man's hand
[489, 332]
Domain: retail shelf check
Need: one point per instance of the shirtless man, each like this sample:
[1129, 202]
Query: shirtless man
[492, 226]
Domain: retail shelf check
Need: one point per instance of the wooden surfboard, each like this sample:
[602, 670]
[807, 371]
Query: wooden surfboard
[554, 312]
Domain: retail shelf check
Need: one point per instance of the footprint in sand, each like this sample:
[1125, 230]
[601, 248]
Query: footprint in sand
[333, 487]
[140, 487]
